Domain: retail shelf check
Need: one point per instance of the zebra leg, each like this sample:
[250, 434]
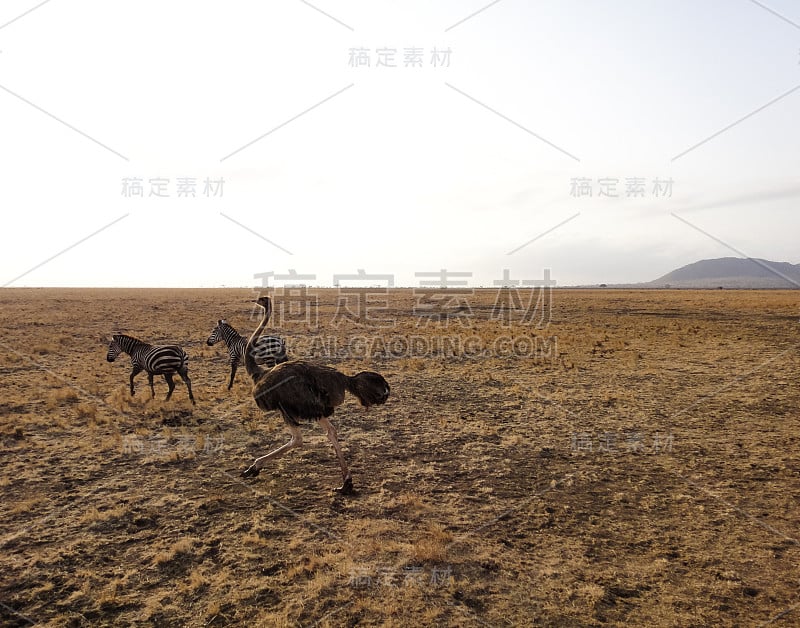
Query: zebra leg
[134, 373]
[255, 468]
[152, 388]
[184, 373]
[234, 366]
[170, 383]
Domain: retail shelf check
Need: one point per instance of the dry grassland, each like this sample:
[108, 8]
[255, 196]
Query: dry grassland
[637, 463]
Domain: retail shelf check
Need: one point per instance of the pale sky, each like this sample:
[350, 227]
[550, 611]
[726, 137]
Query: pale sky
[466, 164]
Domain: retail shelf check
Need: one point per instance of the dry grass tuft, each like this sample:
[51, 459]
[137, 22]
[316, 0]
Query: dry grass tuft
[178, 549]
[26, 506]
[195, 583]
[432, 544]
[89, 411]
[94, 515]
[60, 397]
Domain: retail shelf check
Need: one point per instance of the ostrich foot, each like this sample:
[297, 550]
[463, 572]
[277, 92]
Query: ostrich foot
[346, 488]
[251, 471]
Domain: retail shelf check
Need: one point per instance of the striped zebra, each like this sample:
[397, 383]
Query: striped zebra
[163, 360]
[268, 351]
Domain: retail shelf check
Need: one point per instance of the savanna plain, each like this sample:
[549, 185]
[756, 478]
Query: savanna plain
[616, 458]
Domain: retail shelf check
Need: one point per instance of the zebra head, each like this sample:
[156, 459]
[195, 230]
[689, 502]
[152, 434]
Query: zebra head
[114, 348]
[216, 335]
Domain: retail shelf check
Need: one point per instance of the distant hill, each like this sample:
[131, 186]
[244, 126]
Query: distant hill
[732, 272]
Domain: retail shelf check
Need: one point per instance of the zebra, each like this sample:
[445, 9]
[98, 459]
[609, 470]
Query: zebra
[268, 351]
[163, 360]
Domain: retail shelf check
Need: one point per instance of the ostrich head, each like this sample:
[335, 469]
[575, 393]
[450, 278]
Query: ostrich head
[371, 388]
[265, 302]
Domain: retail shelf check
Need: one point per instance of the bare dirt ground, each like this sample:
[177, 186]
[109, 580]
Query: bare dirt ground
[633, 462]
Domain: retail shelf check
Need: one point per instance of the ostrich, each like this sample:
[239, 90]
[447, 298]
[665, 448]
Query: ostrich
[304, 391]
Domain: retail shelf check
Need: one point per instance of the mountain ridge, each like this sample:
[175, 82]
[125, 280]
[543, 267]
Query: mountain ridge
[731, 272]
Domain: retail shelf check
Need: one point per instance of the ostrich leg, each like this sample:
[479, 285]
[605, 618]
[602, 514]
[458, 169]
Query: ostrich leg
[255, 468]
[347, 481]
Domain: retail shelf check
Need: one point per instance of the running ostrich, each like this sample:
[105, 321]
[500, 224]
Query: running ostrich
[302, 391]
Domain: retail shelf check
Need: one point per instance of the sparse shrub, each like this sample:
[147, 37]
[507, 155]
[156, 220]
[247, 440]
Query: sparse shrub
[181, 547]
[195, 582]
[86, 411]
[94, 515]
[62, 396]
[433, 543]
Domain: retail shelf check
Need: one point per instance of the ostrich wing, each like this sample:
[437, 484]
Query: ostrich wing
[301, 391]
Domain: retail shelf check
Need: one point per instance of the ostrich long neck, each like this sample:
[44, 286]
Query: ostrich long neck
[253, 369]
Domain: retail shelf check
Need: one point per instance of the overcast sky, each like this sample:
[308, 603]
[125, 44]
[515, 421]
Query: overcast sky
[470, 142]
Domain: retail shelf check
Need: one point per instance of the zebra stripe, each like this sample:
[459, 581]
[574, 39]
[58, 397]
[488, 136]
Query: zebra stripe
[163, 360]
[268, 350]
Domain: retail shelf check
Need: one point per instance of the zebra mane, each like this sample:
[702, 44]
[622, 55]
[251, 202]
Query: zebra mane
[128, 337]
[131, 341]
[225, 324]
[228, 331]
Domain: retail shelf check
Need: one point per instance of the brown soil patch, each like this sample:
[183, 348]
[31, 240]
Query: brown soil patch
[639, 467]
